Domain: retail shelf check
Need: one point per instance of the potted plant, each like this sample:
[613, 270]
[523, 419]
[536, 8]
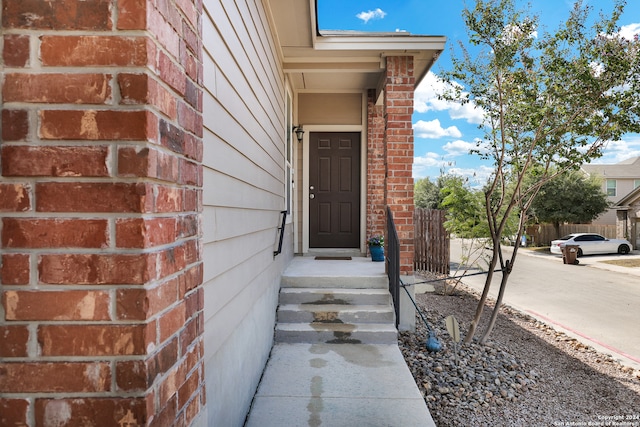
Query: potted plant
[376, 247]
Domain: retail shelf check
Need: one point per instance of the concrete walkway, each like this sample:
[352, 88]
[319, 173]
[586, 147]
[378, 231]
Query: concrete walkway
[338, 385]
[335, 385]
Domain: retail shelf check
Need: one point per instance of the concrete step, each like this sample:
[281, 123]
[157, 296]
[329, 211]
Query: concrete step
[336, 333]
[335, 313]
[335, 301]
[375, 281]
[335, 296]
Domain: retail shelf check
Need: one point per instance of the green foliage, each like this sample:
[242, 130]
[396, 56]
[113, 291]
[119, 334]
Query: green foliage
[465, 213]
[548, 98]
[376, 240]
[551, 102]
[426, 194]
[571, 198]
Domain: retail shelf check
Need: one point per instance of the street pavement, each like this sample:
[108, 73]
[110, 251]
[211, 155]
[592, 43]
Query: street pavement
[596, 303]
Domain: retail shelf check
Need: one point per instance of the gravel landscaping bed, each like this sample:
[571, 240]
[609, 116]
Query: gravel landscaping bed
[527, 375]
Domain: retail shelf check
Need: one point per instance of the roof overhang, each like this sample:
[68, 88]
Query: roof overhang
[632, 198]
[341, 61]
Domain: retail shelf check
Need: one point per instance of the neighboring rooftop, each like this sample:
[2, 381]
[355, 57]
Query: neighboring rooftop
[629, 168]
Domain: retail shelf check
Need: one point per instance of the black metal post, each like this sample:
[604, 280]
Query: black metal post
[393, 263]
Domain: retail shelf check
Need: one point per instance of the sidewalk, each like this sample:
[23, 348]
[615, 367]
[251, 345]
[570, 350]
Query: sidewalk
[595, 261]
[598, 313]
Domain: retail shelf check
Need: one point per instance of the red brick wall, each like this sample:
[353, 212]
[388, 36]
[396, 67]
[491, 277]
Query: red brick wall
[376, 169]
[100, 206]
[398, 109]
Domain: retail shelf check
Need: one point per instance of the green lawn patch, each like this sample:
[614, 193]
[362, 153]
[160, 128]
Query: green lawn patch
[538, 248]
[624, 262]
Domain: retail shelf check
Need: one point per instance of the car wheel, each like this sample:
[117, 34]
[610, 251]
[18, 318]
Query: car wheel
[579, 253]
[623, 249]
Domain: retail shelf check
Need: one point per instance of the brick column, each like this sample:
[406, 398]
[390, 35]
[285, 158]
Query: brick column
[376, 170]
[100, 199]
[398, 139]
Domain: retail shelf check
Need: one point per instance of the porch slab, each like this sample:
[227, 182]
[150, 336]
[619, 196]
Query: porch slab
[306, 271]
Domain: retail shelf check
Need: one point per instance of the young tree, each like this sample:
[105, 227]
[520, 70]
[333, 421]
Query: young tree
[571, 197]
[426, 194]
[551, 99]
[464, 206]
[466, 220]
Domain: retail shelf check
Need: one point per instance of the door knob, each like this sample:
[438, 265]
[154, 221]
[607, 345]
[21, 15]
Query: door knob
[312, 196]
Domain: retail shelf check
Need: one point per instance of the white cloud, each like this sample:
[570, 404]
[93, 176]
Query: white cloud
[597, 68]
[617, 151]
[458, 147]
[371, 14]
[477, 177]
[429, 165]
[629, 31]
[433, 165]
[429, 160]
[426, 99]
[434, 130]
[513, 33]
[463, 148]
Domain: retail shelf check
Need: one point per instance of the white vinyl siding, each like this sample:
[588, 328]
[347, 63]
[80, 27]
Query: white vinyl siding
[243, 193]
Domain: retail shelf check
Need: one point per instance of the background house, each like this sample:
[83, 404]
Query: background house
[618, 180]
[148, 154]
[628, 217]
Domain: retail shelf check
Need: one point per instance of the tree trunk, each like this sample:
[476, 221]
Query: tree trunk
[506, 272]
[483, 297]
[494, 315]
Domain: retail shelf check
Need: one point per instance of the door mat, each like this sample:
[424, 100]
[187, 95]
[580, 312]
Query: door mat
[333, 258]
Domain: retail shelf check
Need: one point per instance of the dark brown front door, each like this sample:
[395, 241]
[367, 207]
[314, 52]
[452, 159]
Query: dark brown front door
[334, 190]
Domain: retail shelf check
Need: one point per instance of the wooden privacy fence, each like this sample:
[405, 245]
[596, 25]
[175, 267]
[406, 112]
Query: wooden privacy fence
[543, 234]
[431, 241]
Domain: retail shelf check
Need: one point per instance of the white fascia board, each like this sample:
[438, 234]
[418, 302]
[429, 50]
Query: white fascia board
[389, 45]
[351, 67]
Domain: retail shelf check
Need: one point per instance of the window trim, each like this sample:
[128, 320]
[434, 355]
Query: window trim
[612, 190]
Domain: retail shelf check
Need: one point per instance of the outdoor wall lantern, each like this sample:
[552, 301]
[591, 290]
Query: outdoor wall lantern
[299, 132]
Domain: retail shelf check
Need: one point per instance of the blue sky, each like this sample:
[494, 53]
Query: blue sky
[445, 132]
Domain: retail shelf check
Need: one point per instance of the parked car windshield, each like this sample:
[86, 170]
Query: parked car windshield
[584, 238]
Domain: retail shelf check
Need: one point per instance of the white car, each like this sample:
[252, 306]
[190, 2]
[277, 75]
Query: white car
[591, 243]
